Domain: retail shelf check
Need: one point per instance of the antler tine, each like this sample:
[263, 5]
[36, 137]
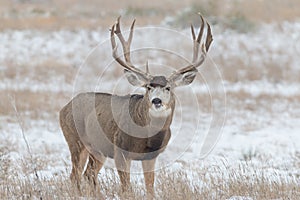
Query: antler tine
[125, 44]
[197, 40]
[147, 67]
[126, 48]
[118, 30]
[131, 32]
[195, 48]
[112, 38]
[193, 32]
[198, 59]
[114, 48]
[209, 37]
[201, 30]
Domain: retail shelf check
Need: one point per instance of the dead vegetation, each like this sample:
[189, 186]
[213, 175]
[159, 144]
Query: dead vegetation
[31, 104]
[200, 183]
[55, 14]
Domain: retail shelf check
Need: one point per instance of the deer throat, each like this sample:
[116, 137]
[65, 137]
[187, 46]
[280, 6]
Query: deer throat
[161, 112]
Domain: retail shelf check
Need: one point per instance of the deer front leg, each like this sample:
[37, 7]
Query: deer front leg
[148, 168]
[123, 167]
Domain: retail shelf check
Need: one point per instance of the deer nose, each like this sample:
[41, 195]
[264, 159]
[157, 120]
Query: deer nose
[156, 101]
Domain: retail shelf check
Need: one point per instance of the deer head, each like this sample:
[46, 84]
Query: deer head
[159, 89]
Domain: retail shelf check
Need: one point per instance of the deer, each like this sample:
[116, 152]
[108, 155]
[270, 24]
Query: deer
[134, 127]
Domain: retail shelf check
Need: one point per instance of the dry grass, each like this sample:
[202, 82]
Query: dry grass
[56, 14]
[33, 105]
[40, 103]
[41, 71]
[201, 183]
[239, 71]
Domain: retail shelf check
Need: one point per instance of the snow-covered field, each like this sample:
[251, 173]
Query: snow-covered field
[255, 104]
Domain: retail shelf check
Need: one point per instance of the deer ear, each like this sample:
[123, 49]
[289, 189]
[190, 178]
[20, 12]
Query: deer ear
[134, 78]
[184, 79]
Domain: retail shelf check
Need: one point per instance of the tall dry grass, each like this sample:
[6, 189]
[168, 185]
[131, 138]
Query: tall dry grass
[214, 182]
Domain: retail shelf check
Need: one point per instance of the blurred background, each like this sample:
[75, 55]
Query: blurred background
[55, 14]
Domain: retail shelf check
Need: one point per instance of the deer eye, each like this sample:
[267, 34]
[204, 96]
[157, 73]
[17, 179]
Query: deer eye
[148, 88]
[168, 88]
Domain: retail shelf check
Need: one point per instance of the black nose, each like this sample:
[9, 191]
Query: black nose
[156, 101]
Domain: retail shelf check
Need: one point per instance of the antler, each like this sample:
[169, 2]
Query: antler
[197, 59]
[115, 29]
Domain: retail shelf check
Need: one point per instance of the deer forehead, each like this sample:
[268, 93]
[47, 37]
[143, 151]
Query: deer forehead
[160, 81]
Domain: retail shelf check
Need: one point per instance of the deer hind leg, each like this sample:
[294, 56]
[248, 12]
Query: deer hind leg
[92, 169]
[79, 157]
[123, 167]
[148, 168]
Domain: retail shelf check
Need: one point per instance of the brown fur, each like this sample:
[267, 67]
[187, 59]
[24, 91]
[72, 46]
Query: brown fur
[99, 125]
[77, 121]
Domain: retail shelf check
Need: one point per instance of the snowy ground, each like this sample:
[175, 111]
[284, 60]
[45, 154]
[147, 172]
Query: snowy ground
[262, 120]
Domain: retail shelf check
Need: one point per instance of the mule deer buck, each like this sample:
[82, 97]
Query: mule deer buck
[131, 127]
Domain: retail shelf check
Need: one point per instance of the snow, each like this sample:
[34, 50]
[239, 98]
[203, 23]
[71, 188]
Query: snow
[260, 135]
[256, 88]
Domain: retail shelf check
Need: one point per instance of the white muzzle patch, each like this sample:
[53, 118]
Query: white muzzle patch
[159, 112]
